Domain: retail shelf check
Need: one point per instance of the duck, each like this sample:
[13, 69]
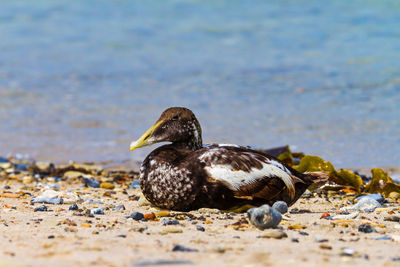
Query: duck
[186, 175]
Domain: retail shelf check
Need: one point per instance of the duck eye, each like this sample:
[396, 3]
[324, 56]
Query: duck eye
[174, 118]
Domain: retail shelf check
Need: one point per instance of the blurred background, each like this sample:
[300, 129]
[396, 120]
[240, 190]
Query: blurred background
[80, 80]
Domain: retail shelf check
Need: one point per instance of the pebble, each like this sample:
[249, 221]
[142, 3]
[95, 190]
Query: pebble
[163, 213]
[200, 228]
[303, 233]
[51, 237]
[91, 183]
[264, 217]
[295, 240]
[347, 252]
[344, 216]
[169, 222]
[98, 211]
[135, 184]
[280, 206]
[109, 186]
[119, 207]
[161, 262]
[183, 249]
[320, 239]
[273, 233]
[41, 208]
[366, 204]
[53, 200]
[392, 218]
[366, 228]
[377, 197]
[73, 207]
[7, 187]
[384, 237]
[137, 216]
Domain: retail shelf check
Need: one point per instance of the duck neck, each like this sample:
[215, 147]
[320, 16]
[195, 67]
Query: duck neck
[194, 142]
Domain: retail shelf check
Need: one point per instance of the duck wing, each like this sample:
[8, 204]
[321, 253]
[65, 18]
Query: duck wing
[249, 174]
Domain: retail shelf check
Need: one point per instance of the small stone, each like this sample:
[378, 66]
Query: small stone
[320, 239]
[366, 204]
[303, 233]
[163, 213]
[345, 216]
[149, 216]
[325, 215]
[273, 233]
[7, 187]
[51, 237]
[280, 206]
[377, 197]
[137, 216]
[366, 228]
[91, 183]
[119, 208]
[169, 222]
[392, 218]
[109, 186]
[295, 240]
[349, 252]
[200, 228]
[183, 249]
[135, 184]
[98, 211]
[161, 262]
[10, 195]
[172, 231]
[325, 246]
[122, 236]
[384, 237]
[73, 207]
[264, 217]
[41, 208]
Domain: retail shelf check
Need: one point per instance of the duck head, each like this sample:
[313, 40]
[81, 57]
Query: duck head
[176, 125]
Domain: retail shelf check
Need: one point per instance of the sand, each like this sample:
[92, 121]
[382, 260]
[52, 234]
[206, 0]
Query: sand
[62, 237]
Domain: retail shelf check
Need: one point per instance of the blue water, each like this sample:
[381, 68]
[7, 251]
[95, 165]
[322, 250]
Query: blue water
[80, 80]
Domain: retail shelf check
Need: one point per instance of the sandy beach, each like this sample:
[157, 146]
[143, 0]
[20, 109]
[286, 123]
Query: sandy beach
[205, 237]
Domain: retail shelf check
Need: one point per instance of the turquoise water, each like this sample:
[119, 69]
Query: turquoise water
[81, 79]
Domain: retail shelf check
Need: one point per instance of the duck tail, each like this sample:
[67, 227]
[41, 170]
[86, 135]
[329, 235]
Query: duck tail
[318, 178]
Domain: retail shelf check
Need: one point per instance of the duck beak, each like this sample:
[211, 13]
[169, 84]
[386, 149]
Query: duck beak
[145, 139]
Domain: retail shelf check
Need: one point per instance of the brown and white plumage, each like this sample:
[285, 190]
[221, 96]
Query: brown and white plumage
[184, 175]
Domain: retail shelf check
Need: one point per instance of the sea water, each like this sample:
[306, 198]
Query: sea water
[80, 80]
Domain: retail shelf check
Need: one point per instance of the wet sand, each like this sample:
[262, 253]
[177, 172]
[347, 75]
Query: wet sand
[63, 237]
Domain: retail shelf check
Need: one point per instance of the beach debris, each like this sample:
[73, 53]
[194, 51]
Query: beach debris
[264, 217]
[273, 233]
[52, 200]
[381, 183]
[137, 216]
[105, 185]
[181, 248]
[280, 206]
[97, 211]
[366, 228]
[366, 205]
[41, 208]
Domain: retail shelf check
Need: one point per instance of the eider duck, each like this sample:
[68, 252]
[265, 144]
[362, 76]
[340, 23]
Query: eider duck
[184, 175]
